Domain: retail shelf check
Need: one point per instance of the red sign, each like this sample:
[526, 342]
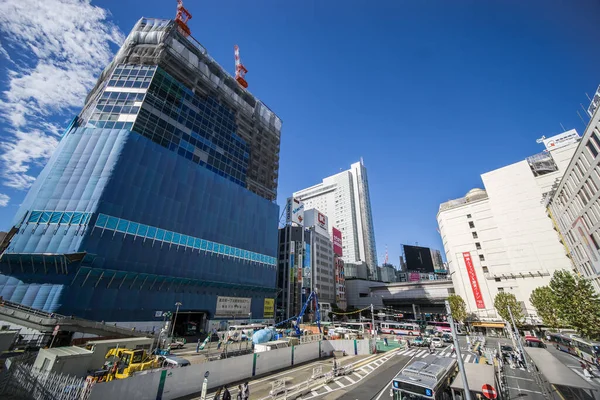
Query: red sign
[337, 242]
[414, 277]
[489, 392]
[473, 280]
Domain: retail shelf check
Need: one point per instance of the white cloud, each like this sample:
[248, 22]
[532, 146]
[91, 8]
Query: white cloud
[4, 199]
[66, 44]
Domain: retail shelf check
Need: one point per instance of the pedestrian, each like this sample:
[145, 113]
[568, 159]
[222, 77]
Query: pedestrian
[218, 394]
[239, 395]
[226, 394]
[431, 347]
[245, 391]
[453, 350]
[385, 341]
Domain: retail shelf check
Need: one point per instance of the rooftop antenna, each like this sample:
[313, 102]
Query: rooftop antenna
[182, 17]
[588, 96]
[563, 128]
[240, 70]
[582, 120]
[386, 255]
[541, 140]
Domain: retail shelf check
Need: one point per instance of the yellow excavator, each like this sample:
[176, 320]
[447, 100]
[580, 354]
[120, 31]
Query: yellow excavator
[122, 363]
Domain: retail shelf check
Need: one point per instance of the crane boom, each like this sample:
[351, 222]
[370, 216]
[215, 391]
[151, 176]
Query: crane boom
[298, 317]
[240, 70]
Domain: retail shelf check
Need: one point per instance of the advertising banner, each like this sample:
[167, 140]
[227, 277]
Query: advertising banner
[414, 277]
[561, 140]
[473, 279]
[337, 241]
[594, 103]
[294, 211]
[233, 306]
[586, 242]
[269, 308]
[306, 266]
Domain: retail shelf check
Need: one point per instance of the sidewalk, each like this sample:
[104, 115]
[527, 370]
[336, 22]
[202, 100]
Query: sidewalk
[260, 386]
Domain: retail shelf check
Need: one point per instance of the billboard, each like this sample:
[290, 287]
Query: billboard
[233, 306]
[414, 277]
[586, 241]
[269, 308]
[294, 211]
[418, 258]
[473, 279]
[307, 270]
[561, 140]
[542, 164]
[337, 241]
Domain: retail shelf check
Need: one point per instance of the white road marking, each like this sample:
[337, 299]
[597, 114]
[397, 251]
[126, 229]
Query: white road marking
[327, 388]
[352, 381]
[467, 358]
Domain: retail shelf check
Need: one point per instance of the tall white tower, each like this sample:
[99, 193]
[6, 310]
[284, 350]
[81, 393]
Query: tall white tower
[345, 199]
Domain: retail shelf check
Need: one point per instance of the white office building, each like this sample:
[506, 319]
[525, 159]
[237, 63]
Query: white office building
[575, 205]
[344, 199]
[500, 239]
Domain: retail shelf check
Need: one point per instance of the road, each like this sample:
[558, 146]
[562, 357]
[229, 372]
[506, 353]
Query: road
[373, 382]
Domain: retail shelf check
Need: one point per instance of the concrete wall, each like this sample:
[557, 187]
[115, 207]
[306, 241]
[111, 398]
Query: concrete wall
[184, 381]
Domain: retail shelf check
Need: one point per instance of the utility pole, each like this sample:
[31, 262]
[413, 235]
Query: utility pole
[175, 319]
[459, 359]
[517, 337]
[372, 322]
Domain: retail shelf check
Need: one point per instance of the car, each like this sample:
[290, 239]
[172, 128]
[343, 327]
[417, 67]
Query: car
[419, 341]
[447, 338]
[437, 342]
[177, 344]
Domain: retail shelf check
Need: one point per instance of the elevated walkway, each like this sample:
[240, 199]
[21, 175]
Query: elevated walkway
[46, 322]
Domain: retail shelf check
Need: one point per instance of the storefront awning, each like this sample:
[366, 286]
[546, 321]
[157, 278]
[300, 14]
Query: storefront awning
[488, 324]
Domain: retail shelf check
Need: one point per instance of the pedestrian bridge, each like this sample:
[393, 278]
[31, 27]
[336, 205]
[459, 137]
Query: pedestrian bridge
[46, 322]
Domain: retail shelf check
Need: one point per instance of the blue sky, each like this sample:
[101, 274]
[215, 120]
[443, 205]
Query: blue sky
[430, 93]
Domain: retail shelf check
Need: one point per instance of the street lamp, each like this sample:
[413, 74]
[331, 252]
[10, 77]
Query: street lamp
[249, 317]
[175, 319]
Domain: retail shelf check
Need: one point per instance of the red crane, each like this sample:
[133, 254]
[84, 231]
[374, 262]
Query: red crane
[240, 70]
[182, 17]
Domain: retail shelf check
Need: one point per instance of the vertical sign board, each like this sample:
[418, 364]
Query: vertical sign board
[292, 259]
[294, 211]
[473, 279]
[307, 270]
[586, 241]
[337, 241]
[269, 308]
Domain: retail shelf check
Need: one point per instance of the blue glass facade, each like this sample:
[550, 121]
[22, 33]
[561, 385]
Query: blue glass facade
[143, 205]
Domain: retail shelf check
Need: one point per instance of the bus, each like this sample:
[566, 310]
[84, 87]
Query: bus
[359, 327]
[400, 328]
[443, 327]
[586, 349]
[563, 342]
[243, 332]
[427, 378]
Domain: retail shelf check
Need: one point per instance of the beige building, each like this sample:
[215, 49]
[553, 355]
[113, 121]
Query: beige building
[500, 239]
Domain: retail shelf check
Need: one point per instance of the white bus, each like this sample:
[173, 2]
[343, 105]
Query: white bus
[243, 332]
[427, 378]
[400, 328]
[359, 327]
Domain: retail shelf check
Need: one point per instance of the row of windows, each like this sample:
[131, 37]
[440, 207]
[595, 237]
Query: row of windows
[110, 125]
[153, 233]
[134, 70]
[141, 83]
[59, 217]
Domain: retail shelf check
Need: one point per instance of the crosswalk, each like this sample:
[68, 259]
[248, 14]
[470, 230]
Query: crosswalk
[362, 372]
[447, 352]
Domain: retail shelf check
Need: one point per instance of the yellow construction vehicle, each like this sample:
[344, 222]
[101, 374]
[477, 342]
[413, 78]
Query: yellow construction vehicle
[122, 363]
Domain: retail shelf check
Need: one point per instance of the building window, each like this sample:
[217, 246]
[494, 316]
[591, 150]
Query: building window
[595, 139]
[474, 235]
[478, 245]
[471, 224]
[363, 295]
[485, 270]
[468, 215]
[595, 241]
[501, 289]
[481, 257]
[497, 279]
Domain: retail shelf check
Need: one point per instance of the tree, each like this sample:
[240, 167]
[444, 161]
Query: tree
[544, 301]
[577, 303]
[505, 300]
[458, 308]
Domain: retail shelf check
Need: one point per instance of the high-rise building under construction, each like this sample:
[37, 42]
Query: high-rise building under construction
[161, 191]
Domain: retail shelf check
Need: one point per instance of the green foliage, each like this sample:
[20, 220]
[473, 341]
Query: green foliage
[458, 308]
[544, 301]
[505, 300]
[576, 303]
